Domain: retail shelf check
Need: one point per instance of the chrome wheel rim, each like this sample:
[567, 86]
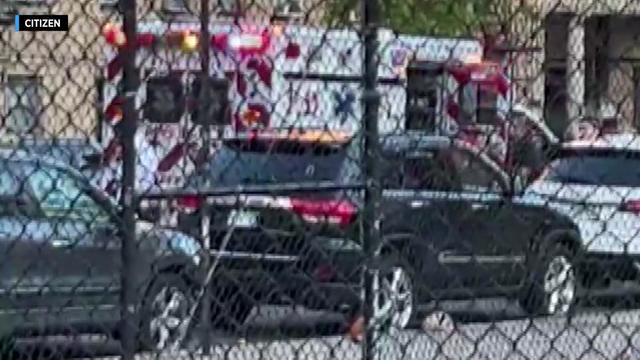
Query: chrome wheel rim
[394, 298]
[170, 312]
[559, 286]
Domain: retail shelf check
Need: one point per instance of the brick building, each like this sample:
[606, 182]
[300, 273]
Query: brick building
[590, 59]
[47, 80]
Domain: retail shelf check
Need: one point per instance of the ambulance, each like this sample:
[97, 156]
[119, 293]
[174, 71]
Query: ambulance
[284, 76]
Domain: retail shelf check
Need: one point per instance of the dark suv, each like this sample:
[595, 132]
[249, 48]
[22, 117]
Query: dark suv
[60, 257]
[450, 228]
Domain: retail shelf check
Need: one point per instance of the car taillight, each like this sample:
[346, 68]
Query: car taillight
[632, 206]
[338, 212]
[189, 203]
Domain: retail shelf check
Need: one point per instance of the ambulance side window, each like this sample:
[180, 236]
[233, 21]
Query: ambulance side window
[474, 176]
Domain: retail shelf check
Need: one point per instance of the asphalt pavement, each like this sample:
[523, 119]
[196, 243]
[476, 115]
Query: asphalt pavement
[292, 334]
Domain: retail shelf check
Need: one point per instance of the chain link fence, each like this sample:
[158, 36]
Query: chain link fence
[329, 179]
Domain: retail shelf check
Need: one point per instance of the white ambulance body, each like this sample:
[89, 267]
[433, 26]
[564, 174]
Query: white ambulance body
[301, 77]
[323, 86]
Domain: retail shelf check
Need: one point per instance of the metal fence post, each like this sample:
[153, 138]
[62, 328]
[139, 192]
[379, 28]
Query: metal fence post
[129, 322]
[206, 144]
[373, 191]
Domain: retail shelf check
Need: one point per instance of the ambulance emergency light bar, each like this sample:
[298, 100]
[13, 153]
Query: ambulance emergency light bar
[248, 42]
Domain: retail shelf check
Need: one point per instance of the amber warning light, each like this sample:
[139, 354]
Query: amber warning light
[42, 23]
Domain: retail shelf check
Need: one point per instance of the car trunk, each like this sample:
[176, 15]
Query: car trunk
[288, 194]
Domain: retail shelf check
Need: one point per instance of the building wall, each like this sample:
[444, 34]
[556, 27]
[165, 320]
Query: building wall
[253, 10]
[528, 29]
[65, 63]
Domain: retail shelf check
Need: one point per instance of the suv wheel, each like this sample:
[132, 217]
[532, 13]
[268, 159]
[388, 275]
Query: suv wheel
[553, 284]
[395, 298]
[166, 321]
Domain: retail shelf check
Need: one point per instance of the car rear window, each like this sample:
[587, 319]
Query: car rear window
[257, 162]
[595, 168]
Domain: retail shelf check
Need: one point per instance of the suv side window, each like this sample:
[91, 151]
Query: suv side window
[472, 174]
[425, 170]
[429, 171]
[60, 195]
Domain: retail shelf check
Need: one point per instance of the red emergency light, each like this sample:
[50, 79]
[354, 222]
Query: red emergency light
[247, 43]
[487, 75]
[114, 35]
[113, 112]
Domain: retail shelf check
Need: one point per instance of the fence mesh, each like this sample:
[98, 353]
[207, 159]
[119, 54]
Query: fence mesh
[329, 179]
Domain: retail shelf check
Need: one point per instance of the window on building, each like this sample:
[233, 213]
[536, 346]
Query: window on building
[8, 11]
[636, 95]
[23, 104]
[175, 6]
[597, 39]
[228, 7]
[555, 89]
[556, 98]
[289, 8]
[108, 3]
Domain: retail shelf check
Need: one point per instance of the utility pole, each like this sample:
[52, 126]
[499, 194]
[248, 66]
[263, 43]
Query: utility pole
[373, 191]
[205, 133]
[128, 200]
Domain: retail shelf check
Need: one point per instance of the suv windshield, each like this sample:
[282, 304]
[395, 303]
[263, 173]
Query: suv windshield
[607, 168]
[256, 162]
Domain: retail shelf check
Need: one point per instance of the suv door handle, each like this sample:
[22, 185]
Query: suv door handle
[419, 203]
[479, 206]
[61, 243]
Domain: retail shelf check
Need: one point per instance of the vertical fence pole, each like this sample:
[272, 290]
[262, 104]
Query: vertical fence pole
[205, 133]
[129, 323]
[373, 192]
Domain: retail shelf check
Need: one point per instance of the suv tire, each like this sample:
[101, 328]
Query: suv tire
[398, 293]
[166, 312]
[551, 285]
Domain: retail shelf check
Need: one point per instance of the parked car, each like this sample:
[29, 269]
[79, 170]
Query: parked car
[60, 261]
[595, 184]
[450, 227]
[256, 169]
[71, 151]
